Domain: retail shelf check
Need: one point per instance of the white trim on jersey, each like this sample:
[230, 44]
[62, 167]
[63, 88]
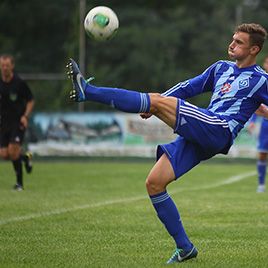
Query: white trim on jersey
[174, 88]
[144, 103]
[212, 120]
[260, 70]
[209, 117]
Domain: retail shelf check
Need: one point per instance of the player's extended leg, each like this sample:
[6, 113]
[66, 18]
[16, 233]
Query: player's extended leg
[165, 108]
[121, 99]
[14, 150]
[261, 167]
[160, 176]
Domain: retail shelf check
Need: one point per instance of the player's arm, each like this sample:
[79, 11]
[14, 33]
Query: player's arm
[190, 88]
[194, 86]
[28, 96]
[28, 110]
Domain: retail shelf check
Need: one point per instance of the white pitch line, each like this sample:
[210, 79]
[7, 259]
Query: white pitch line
[230, 180]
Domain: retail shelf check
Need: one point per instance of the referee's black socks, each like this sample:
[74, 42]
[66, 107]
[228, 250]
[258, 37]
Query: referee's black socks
[17, 164]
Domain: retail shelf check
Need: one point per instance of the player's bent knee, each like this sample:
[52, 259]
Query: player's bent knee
[154, 186]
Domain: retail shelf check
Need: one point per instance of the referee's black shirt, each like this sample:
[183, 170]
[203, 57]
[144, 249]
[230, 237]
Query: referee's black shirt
[14, 96]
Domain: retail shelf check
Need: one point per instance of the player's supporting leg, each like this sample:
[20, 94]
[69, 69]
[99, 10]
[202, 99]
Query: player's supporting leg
[160, 176]
[261, 167]
[14, 155]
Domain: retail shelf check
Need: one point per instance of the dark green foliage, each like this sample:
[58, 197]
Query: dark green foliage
[157, 45]
[36, 32]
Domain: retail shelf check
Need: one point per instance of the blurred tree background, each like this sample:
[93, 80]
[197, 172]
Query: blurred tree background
[159, 43]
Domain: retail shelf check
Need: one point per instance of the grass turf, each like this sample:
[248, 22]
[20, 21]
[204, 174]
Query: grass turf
[97, 214]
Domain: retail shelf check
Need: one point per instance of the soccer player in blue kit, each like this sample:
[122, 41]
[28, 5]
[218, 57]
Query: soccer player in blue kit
[238, 88]
[262, 144]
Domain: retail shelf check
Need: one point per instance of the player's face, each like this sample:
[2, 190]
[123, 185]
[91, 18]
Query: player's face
[240, 47]
[265, 64]
[6, 66]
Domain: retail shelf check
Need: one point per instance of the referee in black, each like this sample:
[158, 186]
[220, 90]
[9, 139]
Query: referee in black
[16, 105]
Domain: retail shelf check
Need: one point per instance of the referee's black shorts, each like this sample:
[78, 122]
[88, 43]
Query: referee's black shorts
[11, 134]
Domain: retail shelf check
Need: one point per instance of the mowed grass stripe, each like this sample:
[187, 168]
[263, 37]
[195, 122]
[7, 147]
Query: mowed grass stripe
[227, 221]
[59, 211]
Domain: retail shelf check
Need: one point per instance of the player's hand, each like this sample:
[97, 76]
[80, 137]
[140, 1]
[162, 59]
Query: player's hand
[24, 121]
[262, 111]
[145, 115]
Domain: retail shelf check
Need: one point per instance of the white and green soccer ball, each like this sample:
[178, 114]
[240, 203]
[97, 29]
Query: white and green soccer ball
[101, 23]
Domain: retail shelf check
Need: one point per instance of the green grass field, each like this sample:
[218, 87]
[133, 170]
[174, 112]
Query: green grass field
[97, 214]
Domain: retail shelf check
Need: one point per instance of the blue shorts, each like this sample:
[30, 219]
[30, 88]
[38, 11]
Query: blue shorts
[202, 134]
[263, 137]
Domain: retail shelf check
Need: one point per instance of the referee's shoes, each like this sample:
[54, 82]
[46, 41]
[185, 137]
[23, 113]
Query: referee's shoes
[28, 162]
[18, 187]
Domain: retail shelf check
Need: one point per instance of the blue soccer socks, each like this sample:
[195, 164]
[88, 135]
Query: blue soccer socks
[121, 99]
[261, 167]
[168, 214]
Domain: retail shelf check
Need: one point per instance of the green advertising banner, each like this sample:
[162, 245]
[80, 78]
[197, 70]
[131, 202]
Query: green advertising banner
[110, 134]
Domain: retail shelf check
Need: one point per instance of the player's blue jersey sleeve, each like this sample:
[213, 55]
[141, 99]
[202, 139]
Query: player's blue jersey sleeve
[264, 92]
[194, 86]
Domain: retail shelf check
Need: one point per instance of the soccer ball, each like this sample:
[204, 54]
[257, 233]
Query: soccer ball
[101, 23]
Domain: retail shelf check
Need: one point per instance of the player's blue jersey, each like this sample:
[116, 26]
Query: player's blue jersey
[236, 92]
